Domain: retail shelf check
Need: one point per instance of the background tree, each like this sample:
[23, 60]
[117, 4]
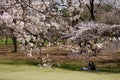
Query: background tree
[93, 6]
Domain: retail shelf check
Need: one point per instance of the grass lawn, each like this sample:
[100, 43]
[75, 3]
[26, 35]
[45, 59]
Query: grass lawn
[21, 70]
[2, 42]
[14, 66]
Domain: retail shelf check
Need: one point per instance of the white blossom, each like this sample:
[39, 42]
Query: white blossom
[7, 18]
[35, 23]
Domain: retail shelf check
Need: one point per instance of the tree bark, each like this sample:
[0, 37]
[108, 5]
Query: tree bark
[6, 40]
[91, 10]
[14, 39]
[15, 43]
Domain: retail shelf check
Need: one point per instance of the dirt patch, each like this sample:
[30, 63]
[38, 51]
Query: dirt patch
[60, 55]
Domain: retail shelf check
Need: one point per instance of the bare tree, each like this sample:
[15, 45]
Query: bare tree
[93, 6]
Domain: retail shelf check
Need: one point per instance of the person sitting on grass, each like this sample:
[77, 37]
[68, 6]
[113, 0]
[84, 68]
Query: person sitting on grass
[91, 66]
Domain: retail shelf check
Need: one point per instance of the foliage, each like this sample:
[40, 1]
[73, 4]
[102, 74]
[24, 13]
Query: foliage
[35, 22]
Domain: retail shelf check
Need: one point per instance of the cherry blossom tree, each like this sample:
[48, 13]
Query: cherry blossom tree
[34, 22]
[92, 37]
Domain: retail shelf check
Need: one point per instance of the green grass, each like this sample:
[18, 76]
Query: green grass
[2, 42]
[28, 70]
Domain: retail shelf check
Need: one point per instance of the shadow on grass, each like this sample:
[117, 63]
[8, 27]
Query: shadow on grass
[66, 65]
[77, 67]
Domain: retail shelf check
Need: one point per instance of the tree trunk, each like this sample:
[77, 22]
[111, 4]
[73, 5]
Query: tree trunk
[14, 39]
[6, 40]
[15, 43]
[40, 57]
[92, 10]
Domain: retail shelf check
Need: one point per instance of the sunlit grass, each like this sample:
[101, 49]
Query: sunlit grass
[28, 70]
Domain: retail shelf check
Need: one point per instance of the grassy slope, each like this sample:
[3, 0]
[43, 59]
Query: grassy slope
[20, 70]
[34, 73]
[14, 69]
